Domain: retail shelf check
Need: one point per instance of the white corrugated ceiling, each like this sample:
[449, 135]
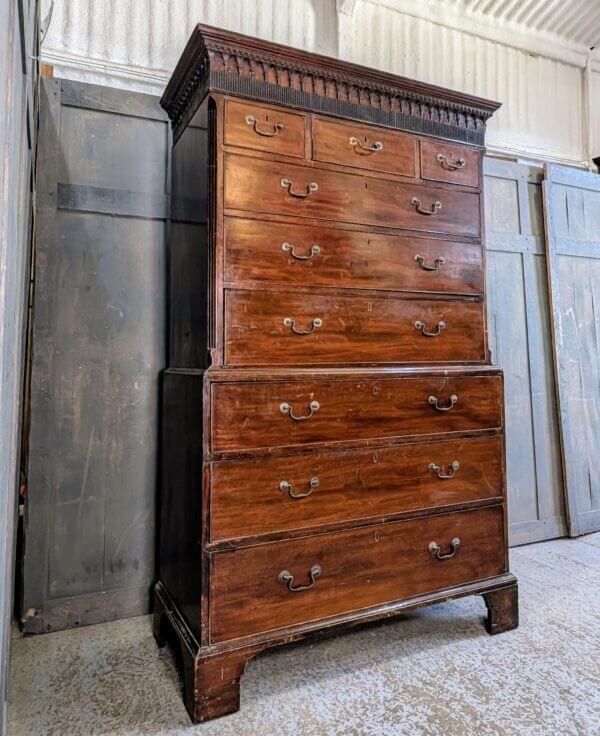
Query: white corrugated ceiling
[577, 21]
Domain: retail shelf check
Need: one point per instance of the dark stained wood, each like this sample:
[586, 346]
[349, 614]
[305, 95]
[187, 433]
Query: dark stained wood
[247, 498]
[451, 168]
[377, 148]
[248, 415]
[254, 251]
[256, 185]
[269, 129]
[393, 439]
[503, 609]
[360, 568]
[352, 330]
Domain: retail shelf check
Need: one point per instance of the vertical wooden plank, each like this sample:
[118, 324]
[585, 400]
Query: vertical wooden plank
[571, 204]
[519, 324]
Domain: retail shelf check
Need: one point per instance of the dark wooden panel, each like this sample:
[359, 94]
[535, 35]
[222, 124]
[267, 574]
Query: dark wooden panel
[256, 185]
[363, 147]
[454, 164]
[98, 348]
[249, 415]
[264, 128]
[276, 252]
[261, 328]
[247, 497]
[359, 568]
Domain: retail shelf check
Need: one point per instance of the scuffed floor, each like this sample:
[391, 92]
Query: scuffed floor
[434, 672]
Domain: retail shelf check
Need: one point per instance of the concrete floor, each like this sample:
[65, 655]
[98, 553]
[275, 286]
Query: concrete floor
[433, 672]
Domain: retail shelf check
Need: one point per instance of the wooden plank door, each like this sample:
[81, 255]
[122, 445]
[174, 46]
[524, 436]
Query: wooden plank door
[572, 220]
[99, 345]
[519, 332]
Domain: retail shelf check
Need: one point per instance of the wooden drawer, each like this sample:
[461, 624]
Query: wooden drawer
[252, 497]
[284, 328]
[248, 415]
[276, 252]
[353, 570]
[259, 185]
[444, 162]
[364, 147]
[264, 128]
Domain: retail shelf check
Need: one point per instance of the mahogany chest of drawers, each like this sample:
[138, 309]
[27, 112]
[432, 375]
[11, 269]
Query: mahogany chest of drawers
[333, 446]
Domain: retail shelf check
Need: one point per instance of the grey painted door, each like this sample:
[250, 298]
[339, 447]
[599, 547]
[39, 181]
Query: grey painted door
[519, 332]
[572, 216]
[98, 348]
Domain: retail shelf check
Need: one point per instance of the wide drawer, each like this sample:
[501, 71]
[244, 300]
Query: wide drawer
[261, 496]
[252, 589]
[267, 414]
[363, 147]
[264, 129]
[444, 162]
[260, 185]
[283, 328]
[258, 250]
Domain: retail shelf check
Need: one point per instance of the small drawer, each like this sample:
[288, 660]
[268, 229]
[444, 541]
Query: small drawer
[264, 129]
[286, 328]
[258, 250]
[279, 584]
[278, 494]
[455, 164]
[364, 147]
[300, 190]
[247, 416]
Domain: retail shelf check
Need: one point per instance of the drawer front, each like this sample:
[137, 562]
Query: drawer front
[259, 185]
[443, 162]
[248, 415]
[364, 147]
[283, 328]
[252, 497]
[351, 570]
[264, 129]
[256, 250]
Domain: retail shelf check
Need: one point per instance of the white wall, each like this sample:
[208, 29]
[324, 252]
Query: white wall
[135, 44]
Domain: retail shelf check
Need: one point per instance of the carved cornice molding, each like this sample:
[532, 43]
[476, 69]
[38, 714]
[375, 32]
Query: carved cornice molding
[217, 60]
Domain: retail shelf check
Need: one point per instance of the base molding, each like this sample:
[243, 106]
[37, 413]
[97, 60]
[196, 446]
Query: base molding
[212, 673]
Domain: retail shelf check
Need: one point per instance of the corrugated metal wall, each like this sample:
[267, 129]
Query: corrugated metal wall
[135, 43]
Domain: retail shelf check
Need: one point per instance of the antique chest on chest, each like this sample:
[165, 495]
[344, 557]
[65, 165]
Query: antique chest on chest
[333, 446]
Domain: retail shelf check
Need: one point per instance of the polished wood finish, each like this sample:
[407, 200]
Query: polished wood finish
[360, 568]
[454, 164]
[247, 497]
[262, 328]
[364, 147]
[255, 185]
[246, 416]
[310, 255]
[264, 128]
[332, 422]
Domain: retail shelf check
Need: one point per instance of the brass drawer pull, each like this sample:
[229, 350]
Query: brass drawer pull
[421, 327]
[437, 264]
[440, 472]
[377, 146]
[286, 408]
[277, 127]
[289, 488]
[315, 324]
[434, 402]
[448, 163]
[310, 188]
[286, 577]
[434, 549]
[437, 205]
[314, 251]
